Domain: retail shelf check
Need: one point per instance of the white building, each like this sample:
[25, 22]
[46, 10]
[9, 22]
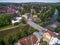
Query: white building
[54, 40]
[17, 20]
[28, 16]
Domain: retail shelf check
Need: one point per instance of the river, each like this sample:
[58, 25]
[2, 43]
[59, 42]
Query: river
[54, 17]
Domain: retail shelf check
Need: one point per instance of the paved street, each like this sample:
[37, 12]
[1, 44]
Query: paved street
[36, 26]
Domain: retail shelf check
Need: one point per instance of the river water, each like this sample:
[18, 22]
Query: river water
[54, 17]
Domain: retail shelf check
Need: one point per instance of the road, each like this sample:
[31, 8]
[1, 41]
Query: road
[36, 26]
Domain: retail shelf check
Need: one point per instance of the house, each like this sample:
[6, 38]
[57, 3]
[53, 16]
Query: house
[3, 11]
[35, 18]
[33, 39]
[33, 11]
[48, 35]
[51, 33]
[16, 20]
[28, 16]
[57, 44]
[54, 41]
[51, 37]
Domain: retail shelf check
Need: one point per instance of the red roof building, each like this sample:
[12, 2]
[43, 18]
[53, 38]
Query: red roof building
[32, 39]
[51, 33]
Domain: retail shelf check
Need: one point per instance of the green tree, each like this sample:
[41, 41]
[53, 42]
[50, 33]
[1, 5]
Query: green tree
[2, 41]
[57, 29]
[5, 19]
[6, 40]
[23, 20]
[58, 19]
[44, 43]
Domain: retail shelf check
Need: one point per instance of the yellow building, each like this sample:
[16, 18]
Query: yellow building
[35, 16]
[47, 36]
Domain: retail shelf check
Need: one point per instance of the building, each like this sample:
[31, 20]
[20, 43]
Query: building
[54, 41]
[51, 37]
[35, 16]
[36, 19]
[48, 35]
[16, 20]
[28, 16]
[33, 39]
[51, 33]
[33, 11]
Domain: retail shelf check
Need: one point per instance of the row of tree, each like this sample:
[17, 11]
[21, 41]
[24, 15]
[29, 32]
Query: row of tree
[5, 19]
[57, 29]
[58, 7]
[44, 17]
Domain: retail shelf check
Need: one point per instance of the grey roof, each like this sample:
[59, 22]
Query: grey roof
[57, 44]
[59, 37]
[38, 35]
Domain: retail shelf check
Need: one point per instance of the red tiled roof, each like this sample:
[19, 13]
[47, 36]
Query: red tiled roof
[3, 10]
[28, 40]
[51, 33]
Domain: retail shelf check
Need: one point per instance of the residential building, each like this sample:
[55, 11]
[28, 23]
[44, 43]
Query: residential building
[28, 16]
[33, 39]
[16, 20]
[48, 35]
[33, 11]
[54, 41]
[36, 19]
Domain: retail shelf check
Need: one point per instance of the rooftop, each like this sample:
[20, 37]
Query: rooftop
[51, 33]
[35, 16]
[54, 40]
[28, 40]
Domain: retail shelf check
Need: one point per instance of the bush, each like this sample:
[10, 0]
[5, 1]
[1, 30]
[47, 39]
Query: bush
[5, 19]
[58, 19]
[44, 43]
[2, 41]
[23, 20]
[57, 29]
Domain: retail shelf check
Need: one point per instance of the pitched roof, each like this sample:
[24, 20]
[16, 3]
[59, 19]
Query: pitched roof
[35, 16]
[51, 33]
[28, 40]
[38, 35]
[47, 36]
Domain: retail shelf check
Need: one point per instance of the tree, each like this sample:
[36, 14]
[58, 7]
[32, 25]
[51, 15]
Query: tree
[2, 41]
[5, 19]
[23, 34]
[23, 20]
[57, 29]
[6, 40]
[44, 43]
[58, 19]
[44, 17]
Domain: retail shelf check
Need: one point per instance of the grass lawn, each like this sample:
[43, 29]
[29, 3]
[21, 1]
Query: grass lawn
[41, 23]
[8, 26]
